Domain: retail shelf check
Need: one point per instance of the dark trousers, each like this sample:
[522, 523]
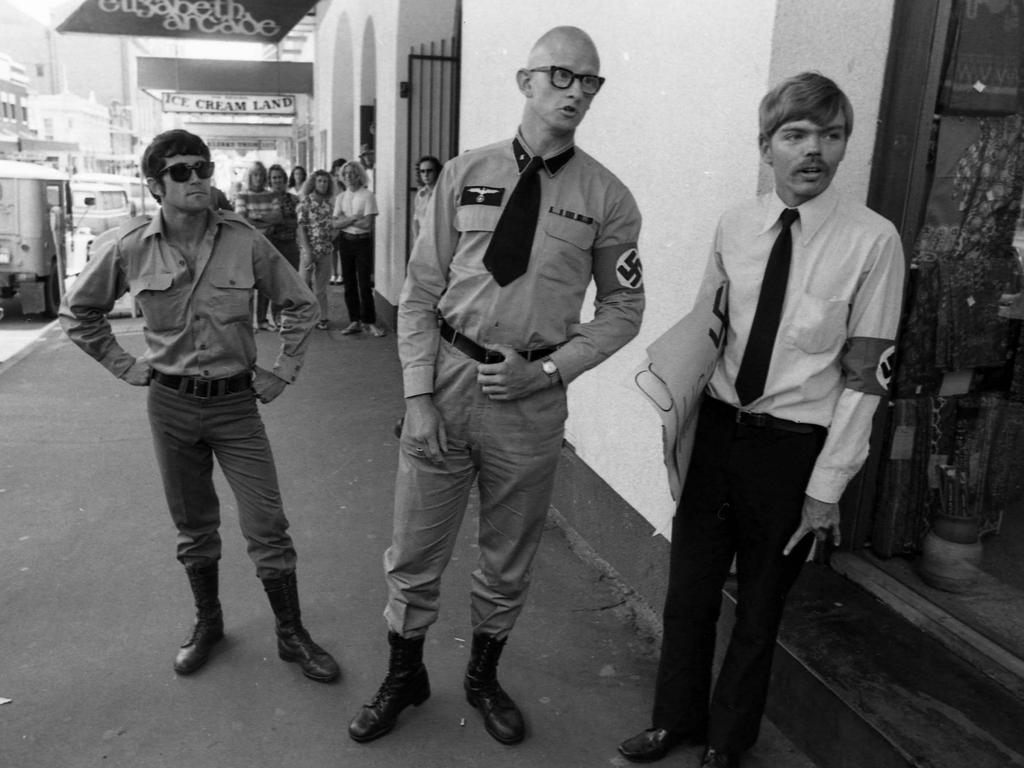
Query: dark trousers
[188, 432]
[357, 275]
[743, 496]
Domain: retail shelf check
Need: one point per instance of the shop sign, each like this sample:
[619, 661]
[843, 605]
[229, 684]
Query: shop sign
[252, 20]
[257, 104]
[241, 144]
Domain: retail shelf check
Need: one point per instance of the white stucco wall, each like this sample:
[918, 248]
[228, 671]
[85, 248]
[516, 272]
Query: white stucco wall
[677, 121]
[362, 57]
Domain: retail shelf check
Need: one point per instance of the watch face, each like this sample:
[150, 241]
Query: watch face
[549, 367]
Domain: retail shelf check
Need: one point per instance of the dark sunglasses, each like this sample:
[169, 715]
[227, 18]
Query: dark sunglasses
[182, 172]
[562, 78]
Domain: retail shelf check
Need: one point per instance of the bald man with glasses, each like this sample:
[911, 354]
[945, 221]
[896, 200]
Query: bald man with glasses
[490, 335]
[193, 272]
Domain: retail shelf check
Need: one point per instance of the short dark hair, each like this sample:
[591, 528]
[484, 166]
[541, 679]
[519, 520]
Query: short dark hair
[807, 96]
[338, 162]
[430, 159]
[169, 144]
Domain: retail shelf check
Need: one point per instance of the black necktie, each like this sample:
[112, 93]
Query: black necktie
[758, 353]
[508, 253]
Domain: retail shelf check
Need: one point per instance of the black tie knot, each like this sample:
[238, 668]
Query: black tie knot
[788, 216]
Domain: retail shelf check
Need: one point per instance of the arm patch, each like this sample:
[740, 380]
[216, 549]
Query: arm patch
[617, 268]
[868, 364]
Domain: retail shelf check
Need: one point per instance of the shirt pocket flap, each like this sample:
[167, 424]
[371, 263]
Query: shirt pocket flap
[159, 282]
[477, 218]
[227, 282]
[577, 233]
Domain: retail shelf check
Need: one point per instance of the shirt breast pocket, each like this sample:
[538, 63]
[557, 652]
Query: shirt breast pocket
[568, 246]
[230, 301]
[819, 325]
[159, 302]
[576, 233]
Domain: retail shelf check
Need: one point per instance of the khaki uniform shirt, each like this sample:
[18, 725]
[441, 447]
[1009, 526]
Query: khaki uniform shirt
[587, 231]
[198, 322]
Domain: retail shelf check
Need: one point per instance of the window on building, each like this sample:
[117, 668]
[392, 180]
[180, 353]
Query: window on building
[952, 176]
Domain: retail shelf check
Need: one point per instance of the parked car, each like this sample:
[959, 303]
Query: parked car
[34, 206]
[138, 195]
[97, 207]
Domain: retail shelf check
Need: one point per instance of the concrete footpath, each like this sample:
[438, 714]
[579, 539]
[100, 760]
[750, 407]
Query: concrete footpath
[93, 604]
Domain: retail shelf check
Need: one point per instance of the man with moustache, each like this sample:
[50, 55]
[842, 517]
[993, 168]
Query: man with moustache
[489, 337]
[815, 285]
[193, 271]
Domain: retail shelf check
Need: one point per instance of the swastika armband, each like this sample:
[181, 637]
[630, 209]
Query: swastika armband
[618, 268]
[867, 364]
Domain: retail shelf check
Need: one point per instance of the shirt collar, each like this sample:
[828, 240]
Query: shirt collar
[553, 163]
[156, 224]
[813, 213]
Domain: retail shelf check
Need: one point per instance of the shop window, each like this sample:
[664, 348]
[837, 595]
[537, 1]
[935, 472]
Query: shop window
[951, 451]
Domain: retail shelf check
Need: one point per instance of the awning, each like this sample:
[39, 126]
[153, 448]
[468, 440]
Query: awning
[44, 145]
[215, 76]
[254, 21]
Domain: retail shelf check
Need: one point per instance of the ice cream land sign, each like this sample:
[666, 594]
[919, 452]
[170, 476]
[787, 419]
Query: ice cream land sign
[281, 104]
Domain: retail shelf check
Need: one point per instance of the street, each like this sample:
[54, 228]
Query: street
[94, 604]
[17, 330]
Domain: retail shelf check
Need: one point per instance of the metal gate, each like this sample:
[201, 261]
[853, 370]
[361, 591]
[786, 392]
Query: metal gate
[433, 94]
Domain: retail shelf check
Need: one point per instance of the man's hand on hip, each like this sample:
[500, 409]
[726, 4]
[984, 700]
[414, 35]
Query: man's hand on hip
[266, 385]
[139, 374]
[512, 378]
[819, 517]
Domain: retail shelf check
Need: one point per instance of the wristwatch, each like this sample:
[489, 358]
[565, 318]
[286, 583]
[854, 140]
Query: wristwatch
[548, 366]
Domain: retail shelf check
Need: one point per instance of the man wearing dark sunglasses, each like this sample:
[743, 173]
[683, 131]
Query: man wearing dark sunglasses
[512, 238]
[192, 271]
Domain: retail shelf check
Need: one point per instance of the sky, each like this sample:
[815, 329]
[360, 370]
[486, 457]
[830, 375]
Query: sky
[37, 9]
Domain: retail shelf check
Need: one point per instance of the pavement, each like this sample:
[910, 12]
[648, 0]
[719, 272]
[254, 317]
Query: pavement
[93, 604]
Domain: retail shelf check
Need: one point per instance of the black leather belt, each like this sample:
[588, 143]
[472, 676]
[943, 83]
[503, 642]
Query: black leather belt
[205, 388]
[478, 353]
[762, 420]
[353, 236]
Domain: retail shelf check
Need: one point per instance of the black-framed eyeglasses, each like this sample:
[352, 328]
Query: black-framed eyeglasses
[182, 172]
[562, 78]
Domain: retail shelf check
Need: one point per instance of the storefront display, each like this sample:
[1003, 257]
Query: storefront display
[954, 442]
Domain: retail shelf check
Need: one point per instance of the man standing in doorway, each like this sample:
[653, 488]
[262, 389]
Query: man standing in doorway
[815, 284]
[490, 336]
[193, 272]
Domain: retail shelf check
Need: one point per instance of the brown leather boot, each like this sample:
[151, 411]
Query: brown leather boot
[293, 641]
[406, 683]
[209, 627]
[502, 717]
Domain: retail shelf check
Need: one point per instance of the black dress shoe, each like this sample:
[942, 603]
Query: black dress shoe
[714, 758]
[653, 744]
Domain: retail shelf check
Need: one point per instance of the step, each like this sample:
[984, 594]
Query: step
[857, 685]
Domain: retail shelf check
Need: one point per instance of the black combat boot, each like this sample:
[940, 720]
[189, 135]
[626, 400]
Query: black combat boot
[293, 641]
[406, 683]
[502, 717]
[209, 626]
